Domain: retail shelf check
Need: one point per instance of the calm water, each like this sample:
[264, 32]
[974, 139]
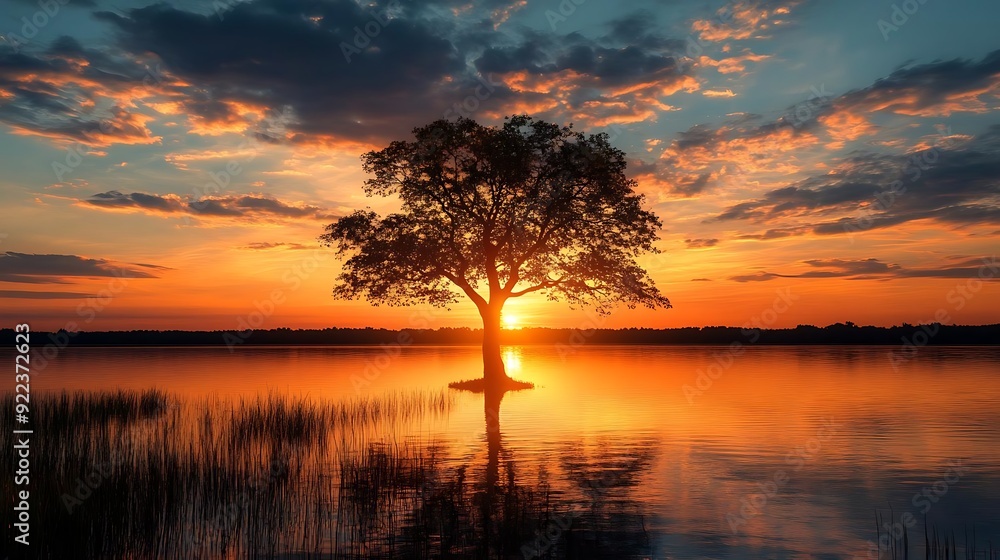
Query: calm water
[787, 453]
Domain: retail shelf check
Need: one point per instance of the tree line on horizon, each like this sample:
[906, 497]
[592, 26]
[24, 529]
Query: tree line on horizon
[838, 333]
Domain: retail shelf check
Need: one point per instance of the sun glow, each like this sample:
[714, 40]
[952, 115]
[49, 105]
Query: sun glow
[511, 321]
[512, 359]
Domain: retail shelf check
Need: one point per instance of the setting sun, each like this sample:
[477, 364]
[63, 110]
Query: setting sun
[479, 280]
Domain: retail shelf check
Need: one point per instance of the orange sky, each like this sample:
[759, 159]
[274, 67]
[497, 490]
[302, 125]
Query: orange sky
[786, 147]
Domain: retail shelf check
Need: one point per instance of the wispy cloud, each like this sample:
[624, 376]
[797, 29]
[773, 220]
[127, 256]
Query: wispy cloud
[874, 269]
[56, 269]
[250, 207]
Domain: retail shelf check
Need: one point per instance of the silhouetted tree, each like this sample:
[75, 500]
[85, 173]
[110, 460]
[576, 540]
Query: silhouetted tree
[525, 207]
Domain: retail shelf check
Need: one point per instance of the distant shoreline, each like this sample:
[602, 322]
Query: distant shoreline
[838, 334]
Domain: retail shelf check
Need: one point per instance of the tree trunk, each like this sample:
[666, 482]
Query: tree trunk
[494, 373]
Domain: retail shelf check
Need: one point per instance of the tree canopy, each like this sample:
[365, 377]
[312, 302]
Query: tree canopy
[525, 207]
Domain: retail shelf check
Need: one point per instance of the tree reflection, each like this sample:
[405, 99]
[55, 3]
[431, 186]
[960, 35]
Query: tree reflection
[422, 508]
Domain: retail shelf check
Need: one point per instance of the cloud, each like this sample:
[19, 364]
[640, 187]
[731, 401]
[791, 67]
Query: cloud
[869, 269]
[769, 149]
[732, 64]
[718, 93]
[775, 233]
[73, 94]
[844, 126]
[701, 243]
[625, 77]
[263, 246]
[80, 3]
[54, 269]
[934, 89]
[337, 86]
[705, 156]
[746, 19]
[21, 294]
[956, 183]
[249, 207]
[291, 53]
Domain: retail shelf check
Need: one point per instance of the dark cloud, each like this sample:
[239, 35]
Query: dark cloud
[277, 53]
[251, 207]
[643, 29]
[699, 243]
[700, 157]
[21, 294]
[72, 93]
[852, 267]
[78, 3]
[690, 186]
[483, 14]
[264, 245]
[531, 54]
[869, 269]
[290, 53]
[53, 269]
[757, 277]
[406, 63]
[957, 183]
[608, 66]
[593, 82]
[775, 233]
[932, 89]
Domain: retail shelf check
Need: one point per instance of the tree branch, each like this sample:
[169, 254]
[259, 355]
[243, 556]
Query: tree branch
[462, 283]
[545, 284]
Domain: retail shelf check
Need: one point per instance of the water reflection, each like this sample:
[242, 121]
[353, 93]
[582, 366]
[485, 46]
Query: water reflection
[500, 510]
[498, 472]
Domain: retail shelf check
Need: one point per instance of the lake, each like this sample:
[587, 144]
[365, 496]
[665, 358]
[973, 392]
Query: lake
[630, 451]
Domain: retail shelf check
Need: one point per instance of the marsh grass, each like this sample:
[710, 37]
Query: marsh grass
[69, 411]
[138, 474]
[939, 544]
[143, 475]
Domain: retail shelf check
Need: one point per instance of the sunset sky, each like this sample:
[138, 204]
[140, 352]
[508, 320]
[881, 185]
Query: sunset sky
[170, 165]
